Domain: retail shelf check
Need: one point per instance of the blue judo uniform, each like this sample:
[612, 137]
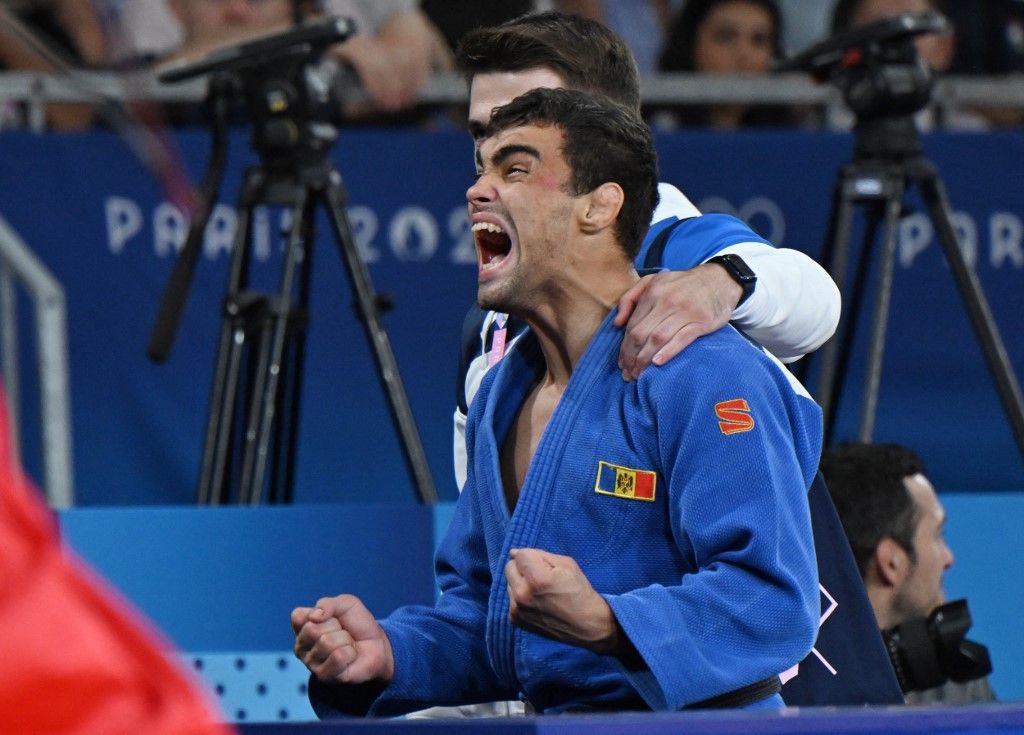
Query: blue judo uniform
[683, 498]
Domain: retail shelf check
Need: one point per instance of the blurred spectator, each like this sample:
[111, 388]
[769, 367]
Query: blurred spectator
[935, 49]
[805, 23]
[990, 41]
[990, 36]
[144, 32]
[208, 24]
[395, 50]
[642, 25]
[455, 18]
[67, 29]
[894, 523]
[726, 37]
[139, 32]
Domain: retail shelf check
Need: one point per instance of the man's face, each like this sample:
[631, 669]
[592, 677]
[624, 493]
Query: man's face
[521, 213]
[921, 591]
[495, 89]
[210, 21]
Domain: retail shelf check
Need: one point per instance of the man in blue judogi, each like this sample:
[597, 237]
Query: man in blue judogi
[618, 545]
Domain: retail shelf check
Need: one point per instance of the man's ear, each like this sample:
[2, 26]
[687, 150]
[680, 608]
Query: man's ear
[601, 207]
[892, 562]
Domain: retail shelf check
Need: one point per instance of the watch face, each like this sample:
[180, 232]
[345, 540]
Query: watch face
[737, 268]
[742, 269]
[739, 271]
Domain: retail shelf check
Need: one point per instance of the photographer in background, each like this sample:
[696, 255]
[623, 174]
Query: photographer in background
[894, 522]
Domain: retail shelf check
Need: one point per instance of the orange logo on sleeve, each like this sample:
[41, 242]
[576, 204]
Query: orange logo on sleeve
[734, 416]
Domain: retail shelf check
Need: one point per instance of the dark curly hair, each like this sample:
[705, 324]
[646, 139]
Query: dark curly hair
[604, 141]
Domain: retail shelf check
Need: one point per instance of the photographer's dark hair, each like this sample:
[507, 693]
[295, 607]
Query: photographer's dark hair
[587, 55]
[866, 484]
[604, 142]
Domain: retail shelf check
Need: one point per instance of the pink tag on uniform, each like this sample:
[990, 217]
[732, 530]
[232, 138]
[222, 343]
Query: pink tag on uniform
[497, 347]
[498, 341]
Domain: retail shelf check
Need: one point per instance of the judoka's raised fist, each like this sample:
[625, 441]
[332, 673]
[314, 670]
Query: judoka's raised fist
[339, 641]
[549, 594]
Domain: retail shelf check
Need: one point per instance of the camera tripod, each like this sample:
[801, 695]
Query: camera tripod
[251, 433]
[887, 160]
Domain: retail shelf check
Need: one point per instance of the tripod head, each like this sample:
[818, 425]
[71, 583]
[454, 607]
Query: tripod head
[882, 78]
[288, 99]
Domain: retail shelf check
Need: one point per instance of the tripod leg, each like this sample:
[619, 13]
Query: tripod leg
[835, 254]
[852, 307]
[261, 416]
[282, 481]
[880, 317]
[387, 368]
[213, 480]
[976, 305]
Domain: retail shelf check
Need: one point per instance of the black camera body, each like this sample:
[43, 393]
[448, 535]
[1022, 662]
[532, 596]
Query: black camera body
[928, 652]
[876, 66]
[289, 102]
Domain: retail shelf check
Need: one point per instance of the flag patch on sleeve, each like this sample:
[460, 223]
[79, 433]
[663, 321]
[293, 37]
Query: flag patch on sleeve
[623, 482]
[734, 416]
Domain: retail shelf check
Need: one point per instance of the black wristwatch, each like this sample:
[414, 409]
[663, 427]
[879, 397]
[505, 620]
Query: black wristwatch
[739, 271]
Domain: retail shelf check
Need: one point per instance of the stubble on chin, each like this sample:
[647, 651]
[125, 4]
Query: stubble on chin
[491, 302]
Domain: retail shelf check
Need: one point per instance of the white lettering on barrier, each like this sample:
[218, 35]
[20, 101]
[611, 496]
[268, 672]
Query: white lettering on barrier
[413, 234]
[219, 237]
[261, 239]
[365, 226]
[966, 236]
[915, 234]
[124, 221]
[170, 229]
[752, 211]
[716, 204]
[1005, 234]
[464, 249]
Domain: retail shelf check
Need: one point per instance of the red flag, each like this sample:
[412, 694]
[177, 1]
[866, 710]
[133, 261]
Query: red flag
[74, 656]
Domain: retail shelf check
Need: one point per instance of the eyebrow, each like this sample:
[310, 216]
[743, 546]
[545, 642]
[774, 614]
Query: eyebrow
[505, 151]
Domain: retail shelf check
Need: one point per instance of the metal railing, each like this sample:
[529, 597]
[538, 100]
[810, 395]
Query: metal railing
[20, 267]
[951, 94]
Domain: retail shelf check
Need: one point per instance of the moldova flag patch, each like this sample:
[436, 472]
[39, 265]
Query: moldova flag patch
[623, 482]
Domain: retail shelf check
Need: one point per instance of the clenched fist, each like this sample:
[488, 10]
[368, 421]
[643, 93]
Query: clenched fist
[549, 594]
[339, 641]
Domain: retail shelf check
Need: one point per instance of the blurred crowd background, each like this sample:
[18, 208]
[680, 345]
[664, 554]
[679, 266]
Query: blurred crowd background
[401, 44]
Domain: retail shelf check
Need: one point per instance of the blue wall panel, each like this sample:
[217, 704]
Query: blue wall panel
[227, 579]
[109, 232]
